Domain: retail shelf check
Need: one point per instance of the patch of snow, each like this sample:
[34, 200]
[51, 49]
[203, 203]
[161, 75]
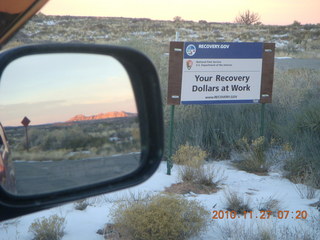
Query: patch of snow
[84, 224]
[49, 22]
[102, 37]
[31, 161]
[70, 154]
[281, 43]
[140, 33]
[194, 35]
[186, 30]
[280, 35]
[283, 58]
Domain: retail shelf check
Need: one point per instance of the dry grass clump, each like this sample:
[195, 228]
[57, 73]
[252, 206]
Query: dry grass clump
[189, 187]
[37, 155]
[203, 175]
[236, 203]
[202, 180]
[304, 184]
[159, 217]
[270, 204]
[51, 228]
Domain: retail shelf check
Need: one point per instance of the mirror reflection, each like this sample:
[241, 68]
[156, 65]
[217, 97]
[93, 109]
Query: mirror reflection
[68, 120]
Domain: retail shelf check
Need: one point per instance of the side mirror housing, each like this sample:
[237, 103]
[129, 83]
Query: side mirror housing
[104, 149]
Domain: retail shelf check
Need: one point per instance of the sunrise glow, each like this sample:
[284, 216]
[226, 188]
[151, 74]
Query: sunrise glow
[273, 12]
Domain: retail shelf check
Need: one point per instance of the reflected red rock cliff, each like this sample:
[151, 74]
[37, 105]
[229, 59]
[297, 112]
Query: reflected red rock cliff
[82, 117]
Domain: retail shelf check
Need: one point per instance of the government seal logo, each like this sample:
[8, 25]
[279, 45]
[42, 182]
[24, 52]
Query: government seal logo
[191, 50]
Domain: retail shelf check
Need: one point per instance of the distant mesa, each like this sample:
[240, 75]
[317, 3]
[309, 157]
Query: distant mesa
[100, 116]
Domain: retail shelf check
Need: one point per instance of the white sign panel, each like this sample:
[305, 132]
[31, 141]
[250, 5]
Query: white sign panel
[221, 73]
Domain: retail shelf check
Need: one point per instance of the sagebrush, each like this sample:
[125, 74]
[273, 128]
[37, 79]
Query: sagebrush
[160, 217]
[191, 156]
[51, 228]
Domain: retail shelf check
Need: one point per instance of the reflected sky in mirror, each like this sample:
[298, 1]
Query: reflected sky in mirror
[56, 87]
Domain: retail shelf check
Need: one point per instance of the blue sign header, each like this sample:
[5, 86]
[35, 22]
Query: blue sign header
[225, 50]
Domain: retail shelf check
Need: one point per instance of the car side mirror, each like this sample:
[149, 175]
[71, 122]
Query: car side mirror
[80, 120]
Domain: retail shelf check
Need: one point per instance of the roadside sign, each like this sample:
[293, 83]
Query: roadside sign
[216, 73]
[25, 121]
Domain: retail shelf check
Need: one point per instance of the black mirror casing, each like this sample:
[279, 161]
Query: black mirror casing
[145, 84]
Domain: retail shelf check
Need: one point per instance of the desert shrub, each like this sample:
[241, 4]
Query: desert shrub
[238, 230]
[193, 174]
[190, 156]
[305, 165]
[51, 228]
[235, 203]
[242, 145]
[81, 204]
[304, 187]
[35, 155]
[68, 138]
[247, 17]
[269, 204]
[160, 217]
[203, 175]
[203, 179]
[192, 171]
[254, 158]
[187, 174]
[296, 121]
[296, 23]
[308, 119]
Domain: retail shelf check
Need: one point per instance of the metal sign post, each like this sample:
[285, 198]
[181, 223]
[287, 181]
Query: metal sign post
[169, 160]
[25, 122]
[262, 117]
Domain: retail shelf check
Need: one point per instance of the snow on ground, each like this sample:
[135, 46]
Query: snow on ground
[283, 57]
[84, 224]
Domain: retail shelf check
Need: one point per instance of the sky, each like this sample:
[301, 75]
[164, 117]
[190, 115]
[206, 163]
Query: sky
[54, 88]
[274, 12]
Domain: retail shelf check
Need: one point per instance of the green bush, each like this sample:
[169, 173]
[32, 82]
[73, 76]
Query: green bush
[160, 217]
[51, 228]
